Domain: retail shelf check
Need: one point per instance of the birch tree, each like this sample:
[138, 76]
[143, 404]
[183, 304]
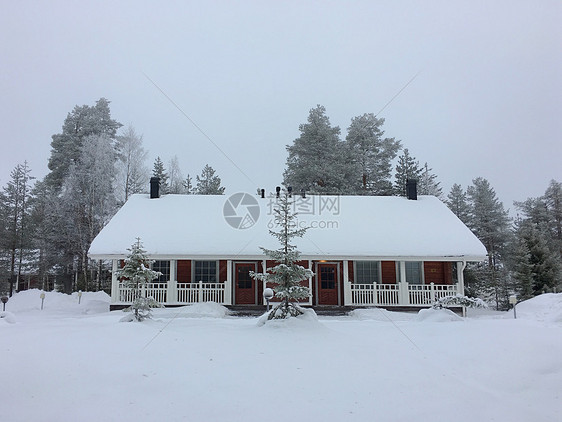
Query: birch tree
[132, 173]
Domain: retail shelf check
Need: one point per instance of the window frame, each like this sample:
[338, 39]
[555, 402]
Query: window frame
[156, 266]
[194, 271]
[421, 272]
[356, 271]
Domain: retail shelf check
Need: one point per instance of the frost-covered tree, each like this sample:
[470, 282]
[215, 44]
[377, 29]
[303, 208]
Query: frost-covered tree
[87, 203]
[457, 201]
[370, 156]
[208, 183]
[136, 274]
[407, 168]
[317, 160]
[15, 200]
[81, 122]
[132, 172]
[159, 171]
[175, 177]
[287, 275]
[428, 183]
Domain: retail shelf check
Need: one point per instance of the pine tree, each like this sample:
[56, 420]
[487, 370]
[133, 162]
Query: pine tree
[370, 156]
[457, 201]
[522, 269]
[209, 183]
[317, 160]
[15, 201]
[136, 275]
[286, 275]
[428, 183]
[553, 201]
[490, 223]
[82, 122]
[159, 171]
[407, 168]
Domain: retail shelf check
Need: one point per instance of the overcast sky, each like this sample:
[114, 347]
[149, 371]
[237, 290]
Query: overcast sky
[487, 100]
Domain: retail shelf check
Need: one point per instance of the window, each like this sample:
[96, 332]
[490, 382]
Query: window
[205, 271]
[367, 272]
[414, 272]
[164, 268]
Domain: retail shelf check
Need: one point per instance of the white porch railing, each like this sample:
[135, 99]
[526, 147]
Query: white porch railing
[155, 290]
[187, 292]
[399, 294]
[201, 292]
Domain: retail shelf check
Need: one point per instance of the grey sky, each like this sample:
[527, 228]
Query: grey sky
[487, 100]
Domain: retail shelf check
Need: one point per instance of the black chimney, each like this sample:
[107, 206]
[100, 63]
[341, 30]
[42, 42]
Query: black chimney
[154, 187]
[412, 189]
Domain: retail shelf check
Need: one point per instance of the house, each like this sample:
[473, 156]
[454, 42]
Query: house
[364, 250]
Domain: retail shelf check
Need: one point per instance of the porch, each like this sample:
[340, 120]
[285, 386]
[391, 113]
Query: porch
[346, 291]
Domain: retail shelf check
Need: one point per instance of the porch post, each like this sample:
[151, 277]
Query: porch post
[264, 270]
[461, 265]
[114, 281]
[228, 284]
[346, 285]
[172, 291]
[403, 286]
[310, 283]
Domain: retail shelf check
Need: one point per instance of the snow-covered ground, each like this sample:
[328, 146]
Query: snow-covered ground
[77, 362]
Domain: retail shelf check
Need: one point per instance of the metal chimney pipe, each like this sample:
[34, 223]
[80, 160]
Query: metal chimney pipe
[154, 187]
[412, 189]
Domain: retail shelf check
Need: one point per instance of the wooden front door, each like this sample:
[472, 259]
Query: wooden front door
[245, 286]
[327, 277]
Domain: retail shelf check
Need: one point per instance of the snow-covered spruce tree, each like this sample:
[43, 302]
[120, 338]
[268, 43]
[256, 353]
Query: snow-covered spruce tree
[457, 201]
[159, 171]
[287, 274]
[136, 274]
[407, 168]
[428, 183]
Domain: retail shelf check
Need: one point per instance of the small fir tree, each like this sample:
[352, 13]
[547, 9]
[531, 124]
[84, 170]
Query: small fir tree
[137, 274]
[407, 168]
[287, 274]
[428, 183]
[188, 185]
[209, 183]
[160, 172]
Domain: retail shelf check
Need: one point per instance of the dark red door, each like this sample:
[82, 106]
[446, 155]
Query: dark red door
[327, 284]
[245, 286]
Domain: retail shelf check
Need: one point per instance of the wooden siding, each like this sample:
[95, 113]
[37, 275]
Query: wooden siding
[184, 271]
[438, 272]
[388, 269]
[223, 269]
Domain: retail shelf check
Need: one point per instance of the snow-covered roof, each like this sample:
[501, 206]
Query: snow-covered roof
[343, 227]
